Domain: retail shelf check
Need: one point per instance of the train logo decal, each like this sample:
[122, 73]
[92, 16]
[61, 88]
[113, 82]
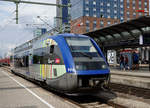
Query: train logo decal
[49, 42]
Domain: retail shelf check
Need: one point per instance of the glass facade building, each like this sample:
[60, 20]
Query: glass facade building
[98, 8]
[62, 16]
[76, 9]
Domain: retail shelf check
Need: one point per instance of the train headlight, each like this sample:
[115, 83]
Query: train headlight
[81, 67]
[77, 66]
[104, 66]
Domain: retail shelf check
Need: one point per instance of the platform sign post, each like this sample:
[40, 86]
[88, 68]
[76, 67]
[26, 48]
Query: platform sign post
[111, 57]
[149, 60]
[141, 39]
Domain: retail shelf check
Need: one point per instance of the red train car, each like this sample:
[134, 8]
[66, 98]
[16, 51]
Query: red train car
[5, 61]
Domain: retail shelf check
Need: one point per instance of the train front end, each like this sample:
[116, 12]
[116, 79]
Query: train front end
[86, 68]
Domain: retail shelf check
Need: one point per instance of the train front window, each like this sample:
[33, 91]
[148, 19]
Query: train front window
[85, 54]
[81, 47]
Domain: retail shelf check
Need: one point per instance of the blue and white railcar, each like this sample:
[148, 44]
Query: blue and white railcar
[66, 62]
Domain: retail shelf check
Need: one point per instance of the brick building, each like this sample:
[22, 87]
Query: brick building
[131, 8]
[85, 24]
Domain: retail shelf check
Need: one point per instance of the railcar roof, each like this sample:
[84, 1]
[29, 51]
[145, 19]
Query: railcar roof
[26, 44]
[71, 35]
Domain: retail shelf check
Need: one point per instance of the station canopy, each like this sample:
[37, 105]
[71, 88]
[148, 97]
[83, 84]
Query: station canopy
[125, 34]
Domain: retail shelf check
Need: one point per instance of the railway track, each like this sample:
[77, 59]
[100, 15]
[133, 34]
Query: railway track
[102, 100]
[139, 92]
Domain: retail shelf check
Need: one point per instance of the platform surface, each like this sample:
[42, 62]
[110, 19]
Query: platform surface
[138, 78]
[16, 92]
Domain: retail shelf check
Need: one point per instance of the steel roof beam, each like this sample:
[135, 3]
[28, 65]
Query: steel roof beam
[143, 22]
[109, 33]
[126, 29]
[142, 32]
[117, 30]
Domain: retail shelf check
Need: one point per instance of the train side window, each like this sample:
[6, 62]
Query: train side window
[27, 61]
[51, 49]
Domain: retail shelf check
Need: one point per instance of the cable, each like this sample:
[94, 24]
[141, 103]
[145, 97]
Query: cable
[76, 3]
[8, 17]
[47, 23]
[3, 28]
[23, 37]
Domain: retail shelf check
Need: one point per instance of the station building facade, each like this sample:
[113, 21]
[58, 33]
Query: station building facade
[89, 15]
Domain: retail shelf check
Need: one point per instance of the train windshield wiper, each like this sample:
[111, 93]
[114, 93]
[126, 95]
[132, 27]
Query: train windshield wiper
[86, 55]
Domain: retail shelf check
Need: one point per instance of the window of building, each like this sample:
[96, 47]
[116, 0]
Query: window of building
[94, 2]
[128, 18]
[108, 4]
[145, 3]
[87, 2]
[134, 13]
[115, 11]
[140, 14]
[101, 3]
[108, 23]
[94, 9]
[121, 12]
[115, 5]
[94, 21]
[121, 18]
[108, 10]
[101, 10]
[101, 23]
[87, 8]
[128, 5]
[94, 15]
[116, 22]
[128, 12]
[87, 22]
[140, 6]
[87, 14]
[128, 1]
[87, 29]
[145, 9]
[108, 16]
[115, 17]
[121, 6]
[94, 24]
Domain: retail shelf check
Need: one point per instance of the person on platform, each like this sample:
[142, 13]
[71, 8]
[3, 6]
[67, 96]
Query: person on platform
[135, 58]
[121, 62]
[126, 62]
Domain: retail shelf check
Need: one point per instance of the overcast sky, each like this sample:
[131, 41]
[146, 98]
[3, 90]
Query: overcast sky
[12, 34]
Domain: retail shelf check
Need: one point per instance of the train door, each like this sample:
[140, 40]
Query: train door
[50, 62]
[30, 61]
[56, 59]
[25, 64]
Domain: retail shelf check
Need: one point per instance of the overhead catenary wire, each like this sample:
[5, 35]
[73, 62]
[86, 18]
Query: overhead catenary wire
[47, 23]
[8, 20]
[76, 3]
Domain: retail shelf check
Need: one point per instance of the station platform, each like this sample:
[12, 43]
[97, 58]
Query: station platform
[16, 92]
[136, 78]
